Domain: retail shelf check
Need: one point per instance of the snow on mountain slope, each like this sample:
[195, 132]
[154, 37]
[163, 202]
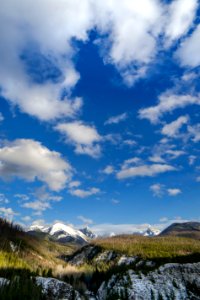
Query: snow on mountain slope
[38, 228]
[61, 233]
[66, 230]
[88, 232]
[151, 232]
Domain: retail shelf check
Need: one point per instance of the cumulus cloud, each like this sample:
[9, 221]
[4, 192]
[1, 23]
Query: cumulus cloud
[84, 193]
[144, 170]
[30, 160]
[48, 33]
[168, 102]
[181, 14]
[189, 51]
[48, 29]
[174, 192]
[172, 129]
[82, 136]
[116, 119]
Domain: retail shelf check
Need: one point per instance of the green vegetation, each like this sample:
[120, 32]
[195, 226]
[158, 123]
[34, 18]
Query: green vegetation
[21, 287]
[153, 248]
[22, 257]
[18, 250]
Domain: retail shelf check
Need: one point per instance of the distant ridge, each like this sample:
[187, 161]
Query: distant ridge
[187, 229]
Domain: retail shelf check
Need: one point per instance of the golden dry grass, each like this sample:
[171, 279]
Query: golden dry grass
[151, 247]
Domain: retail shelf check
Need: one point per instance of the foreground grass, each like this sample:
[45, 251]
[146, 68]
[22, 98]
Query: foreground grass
[151, 247]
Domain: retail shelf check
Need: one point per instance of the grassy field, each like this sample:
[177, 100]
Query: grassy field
[169, 248]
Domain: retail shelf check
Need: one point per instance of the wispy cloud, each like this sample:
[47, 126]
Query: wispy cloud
[168, 102]
[86, 221]
[116, 119]
[84, 193]
[144, 170]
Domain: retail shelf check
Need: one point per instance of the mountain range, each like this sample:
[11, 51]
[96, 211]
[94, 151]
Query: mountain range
[65, 233]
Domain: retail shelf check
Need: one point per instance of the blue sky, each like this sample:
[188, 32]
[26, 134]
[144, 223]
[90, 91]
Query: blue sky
[100, 112]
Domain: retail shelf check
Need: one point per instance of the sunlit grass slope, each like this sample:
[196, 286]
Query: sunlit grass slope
[152, 247]
[19, 250]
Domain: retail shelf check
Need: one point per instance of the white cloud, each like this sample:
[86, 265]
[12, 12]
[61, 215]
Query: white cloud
[173, 154]
[86, 221]
[26, 219]
[180, 17]
[144, 170]
[116, 119]
[131, 54]
[52, 25]
[7, 212]
[131, 161]
[74, 184]
[168, 102]
[194, 131]
[174, 192]
[41, 200]
[172, 129]
[129, 142]
[49, 29]
[29, 159]
[156, 159]
[192, 159]
[37, 205]
[115, 229]
[108, 170]
[160, 190]
[157, 189]
[189, 51]
[84, 193]
[83, 137]
[198, 179]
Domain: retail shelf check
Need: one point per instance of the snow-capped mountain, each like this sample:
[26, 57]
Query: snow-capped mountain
[151, 232]
[64, 233]
[88, 232]
[38, 228]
